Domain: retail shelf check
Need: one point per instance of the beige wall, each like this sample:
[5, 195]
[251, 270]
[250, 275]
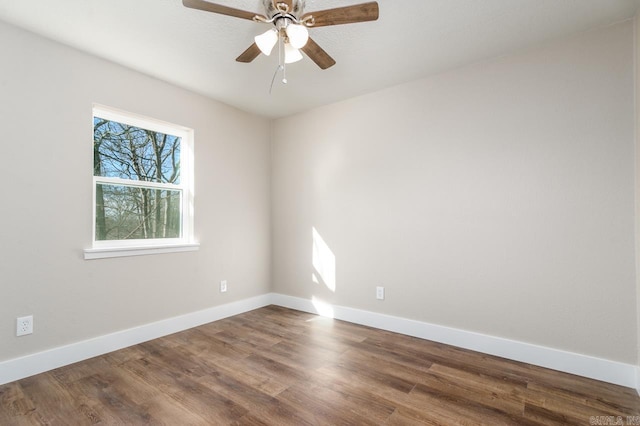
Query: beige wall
[46, 95]
[497, 198]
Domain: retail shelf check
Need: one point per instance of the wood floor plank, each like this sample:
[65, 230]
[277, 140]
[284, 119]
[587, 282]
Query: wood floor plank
[186, 391]
[466, 410]
[323, 412]
[81, 370]
[443, 355]
[123, 355]
[393, 354]
[271, 409]
[489, 391]
[252, 375]
[436, 416]
[167, 411]
[246, 340]
[13, 403]
[249, 420]
[585, 387]
[53, 403]
[543, 416]
[103, 399]
[325, 340]
[355, 407]
[336, 377]
[243, 369]
[277, 366]
[303, 360]
[376, 376]
[398, 418]
[398, 369]
[574, 407]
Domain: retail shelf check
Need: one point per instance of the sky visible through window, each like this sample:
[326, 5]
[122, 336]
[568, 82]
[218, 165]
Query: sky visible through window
[130, 152]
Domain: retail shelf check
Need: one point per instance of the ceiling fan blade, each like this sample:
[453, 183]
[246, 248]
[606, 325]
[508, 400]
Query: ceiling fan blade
[318, 55]
[250, 54]
[218, 8]
[345, 15]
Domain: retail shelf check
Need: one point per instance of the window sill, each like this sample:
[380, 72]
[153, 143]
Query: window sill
[102, 253]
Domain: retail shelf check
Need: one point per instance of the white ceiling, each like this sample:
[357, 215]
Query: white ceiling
[412, 39]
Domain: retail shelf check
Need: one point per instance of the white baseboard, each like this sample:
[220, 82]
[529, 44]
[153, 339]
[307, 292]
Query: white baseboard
[583, 365]
[568, 362]
[19, 368]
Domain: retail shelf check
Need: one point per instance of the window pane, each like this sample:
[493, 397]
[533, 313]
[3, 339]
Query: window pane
[128, 212]
[129, 152]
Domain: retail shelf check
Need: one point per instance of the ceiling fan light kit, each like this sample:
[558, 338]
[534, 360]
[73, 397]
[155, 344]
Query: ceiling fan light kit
[298, 35]
[266, 41]
[290, 25]
[291, 54]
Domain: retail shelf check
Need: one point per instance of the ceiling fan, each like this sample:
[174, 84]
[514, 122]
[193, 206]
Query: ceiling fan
[290, 24]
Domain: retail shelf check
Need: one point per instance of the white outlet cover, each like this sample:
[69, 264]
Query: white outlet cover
[380, 293]
[24, 325]
[223, 286]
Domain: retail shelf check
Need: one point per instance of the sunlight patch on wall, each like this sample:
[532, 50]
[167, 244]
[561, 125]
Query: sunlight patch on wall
[324, 262]
[322, 308]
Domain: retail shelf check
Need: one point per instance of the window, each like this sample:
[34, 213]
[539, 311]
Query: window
[142, 184]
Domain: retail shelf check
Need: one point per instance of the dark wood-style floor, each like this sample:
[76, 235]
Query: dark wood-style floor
[282, 367]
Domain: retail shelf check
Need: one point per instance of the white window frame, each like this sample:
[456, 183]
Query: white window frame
[118, 248]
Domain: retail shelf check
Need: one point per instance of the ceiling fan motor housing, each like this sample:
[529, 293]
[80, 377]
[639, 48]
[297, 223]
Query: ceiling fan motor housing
[297, 6]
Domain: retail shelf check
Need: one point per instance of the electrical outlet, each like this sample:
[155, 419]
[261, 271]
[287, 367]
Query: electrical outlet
[223, 286]
[24, 325]
[380, 293]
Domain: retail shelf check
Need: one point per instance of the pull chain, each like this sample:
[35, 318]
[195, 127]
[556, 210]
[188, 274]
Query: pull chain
[281, 64]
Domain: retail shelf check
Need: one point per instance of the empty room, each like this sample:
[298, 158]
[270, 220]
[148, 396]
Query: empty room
[290, 212]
